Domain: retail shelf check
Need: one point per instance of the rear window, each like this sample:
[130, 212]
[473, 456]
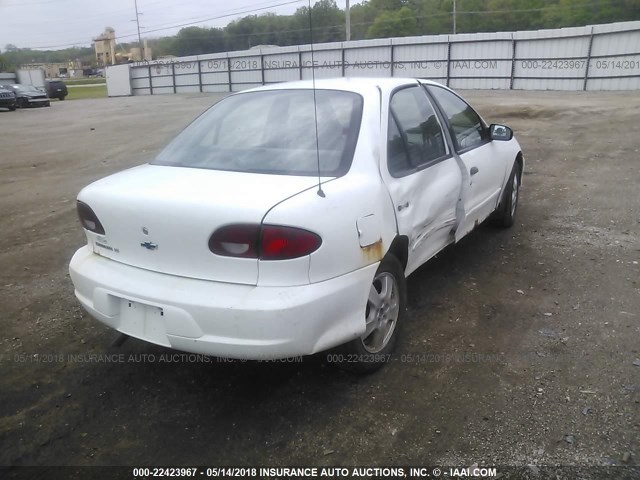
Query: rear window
[272, 132]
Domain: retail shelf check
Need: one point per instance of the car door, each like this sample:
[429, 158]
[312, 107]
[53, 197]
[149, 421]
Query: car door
[485, 166]
[422, 177]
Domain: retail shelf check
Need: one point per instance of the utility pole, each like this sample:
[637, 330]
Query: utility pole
[135, 2]
[347, 15]
[454, 17]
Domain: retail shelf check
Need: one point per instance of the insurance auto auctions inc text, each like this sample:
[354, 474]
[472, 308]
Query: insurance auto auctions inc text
[368, 472]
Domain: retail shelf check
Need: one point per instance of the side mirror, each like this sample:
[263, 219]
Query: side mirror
[500, 132]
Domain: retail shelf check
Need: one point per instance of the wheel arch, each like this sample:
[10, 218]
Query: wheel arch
[399, 248]
[520, 162]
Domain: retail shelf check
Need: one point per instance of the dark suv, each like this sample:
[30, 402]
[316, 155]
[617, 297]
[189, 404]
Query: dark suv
[7, 98]
[56, 89]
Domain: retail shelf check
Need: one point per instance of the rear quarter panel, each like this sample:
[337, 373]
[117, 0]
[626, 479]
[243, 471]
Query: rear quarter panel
[360, 193]
[335, 218]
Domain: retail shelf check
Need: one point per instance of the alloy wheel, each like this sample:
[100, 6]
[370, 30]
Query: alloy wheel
[383, 308]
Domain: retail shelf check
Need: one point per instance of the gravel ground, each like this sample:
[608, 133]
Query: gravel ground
[521, 347]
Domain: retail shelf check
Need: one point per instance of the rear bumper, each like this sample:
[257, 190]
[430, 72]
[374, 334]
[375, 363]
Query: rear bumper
[57, 92]
[222, 319]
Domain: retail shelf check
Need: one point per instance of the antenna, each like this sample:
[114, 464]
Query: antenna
[315, 104]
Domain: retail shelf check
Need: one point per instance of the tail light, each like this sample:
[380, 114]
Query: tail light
[266, 242]
[88, 218]
[283, 243]
[235, 241]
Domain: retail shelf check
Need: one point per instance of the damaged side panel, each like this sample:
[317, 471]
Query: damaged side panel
[374, 252]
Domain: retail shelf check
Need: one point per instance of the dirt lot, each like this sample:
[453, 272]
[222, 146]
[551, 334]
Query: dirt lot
[547, 312]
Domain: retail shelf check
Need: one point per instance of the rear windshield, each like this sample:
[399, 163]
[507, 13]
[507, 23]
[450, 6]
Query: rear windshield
[272, 132]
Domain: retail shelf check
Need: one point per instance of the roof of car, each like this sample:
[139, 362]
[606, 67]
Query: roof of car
[352, 84]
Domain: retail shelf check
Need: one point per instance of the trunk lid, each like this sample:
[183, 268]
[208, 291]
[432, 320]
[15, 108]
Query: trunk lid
[160, 218]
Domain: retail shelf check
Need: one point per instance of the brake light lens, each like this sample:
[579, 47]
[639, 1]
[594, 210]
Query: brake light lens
[88, 218]
[266, 242]
[284, 243]
[235, 241]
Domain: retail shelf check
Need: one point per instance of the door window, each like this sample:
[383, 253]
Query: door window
[415, 137]
[467, 128]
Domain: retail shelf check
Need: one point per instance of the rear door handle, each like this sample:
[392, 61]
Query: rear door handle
[403, 206]
[474, 170]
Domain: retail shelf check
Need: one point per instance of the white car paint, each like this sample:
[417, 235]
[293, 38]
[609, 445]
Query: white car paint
[424, 202]
[179, 208]
[220, 318]
[177, 293]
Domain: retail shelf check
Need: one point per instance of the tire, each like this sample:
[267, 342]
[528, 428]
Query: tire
[371, 351]
[23, 103]
[504, 216]
[61, 98]
[12, 109]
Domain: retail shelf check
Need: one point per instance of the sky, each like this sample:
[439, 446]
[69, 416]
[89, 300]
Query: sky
[54, 24]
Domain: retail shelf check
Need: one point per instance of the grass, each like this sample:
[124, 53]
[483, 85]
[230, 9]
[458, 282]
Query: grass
[84, 81]
[78, 93]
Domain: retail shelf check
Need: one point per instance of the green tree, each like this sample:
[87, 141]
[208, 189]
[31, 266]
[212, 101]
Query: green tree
[582, 12]
[369, 19]
[5, 66]
[388, 5]
[327, 21]
[19, 56]
[394, 24]
[362, 17]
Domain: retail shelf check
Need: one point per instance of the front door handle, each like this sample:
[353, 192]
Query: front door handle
[474, 170]
[403, 206]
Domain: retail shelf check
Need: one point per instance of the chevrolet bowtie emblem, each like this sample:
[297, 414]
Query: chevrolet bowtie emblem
[149, 245]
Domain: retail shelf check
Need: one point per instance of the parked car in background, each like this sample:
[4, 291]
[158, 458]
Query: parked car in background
[30, 96]
[7, 98]
[284, 220]
[56, 89]
[93, 72]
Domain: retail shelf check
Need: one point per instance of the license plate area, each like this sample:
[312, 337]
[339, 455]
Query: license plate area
[143, 321]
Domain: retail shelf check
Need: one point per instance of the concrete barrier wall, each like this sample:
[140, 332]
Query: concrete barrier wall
[598, 57]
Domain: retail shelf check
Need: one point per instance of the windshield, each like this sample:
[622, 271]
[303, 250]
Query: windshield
[27, 88]
[272, 132]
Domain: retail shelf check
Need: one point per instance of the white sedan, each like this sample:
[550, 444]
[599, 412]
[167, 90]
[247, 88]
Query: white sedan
[285, 219]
